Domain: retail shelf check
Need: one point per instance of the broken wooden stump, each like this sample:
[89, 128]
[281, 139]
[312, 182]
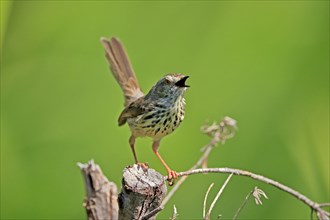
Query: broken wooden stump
[142, 193]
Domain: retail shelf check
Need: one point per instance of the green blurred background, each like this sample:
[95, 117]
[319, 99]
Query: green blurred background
[266, 64]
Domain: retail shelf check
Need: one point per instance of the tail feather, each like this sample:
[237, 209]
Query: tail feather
[121, 69]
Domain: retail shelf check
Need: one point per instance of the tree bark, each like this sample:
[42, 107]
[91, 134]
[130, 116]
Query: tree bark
[143, 191]
[101, 194]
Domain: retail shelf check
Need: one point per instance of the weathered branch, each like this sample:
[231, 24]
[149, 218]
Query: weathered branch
[101, 198]
[314, 205]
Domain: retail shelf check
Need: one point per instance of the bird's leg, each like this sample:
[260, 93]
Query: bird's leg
[171, 174]
[131, 143]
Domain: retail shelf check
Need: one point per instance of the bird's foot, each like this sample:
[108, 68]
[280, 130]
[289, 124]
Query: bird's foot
[143, 166]
[171, 177]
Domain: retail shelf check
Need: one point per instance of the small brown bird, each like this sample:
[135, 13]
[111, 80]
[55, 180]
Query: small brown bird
[154, 115]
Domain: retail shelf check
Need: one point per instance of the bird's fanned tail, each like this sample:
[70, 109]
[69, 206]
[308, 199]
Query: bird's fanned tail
[122, 69]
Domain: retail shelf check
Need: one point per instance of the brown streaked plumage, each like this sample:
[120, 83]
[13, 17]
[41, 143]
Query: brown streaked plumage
[154, 115]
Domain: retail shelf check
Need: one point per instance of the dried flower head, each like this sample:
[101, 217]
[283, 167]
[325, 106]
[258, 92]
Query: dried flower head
[257, 194]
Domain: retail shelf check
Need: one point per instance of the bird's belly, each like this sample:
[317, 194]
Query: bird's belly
[156, 124]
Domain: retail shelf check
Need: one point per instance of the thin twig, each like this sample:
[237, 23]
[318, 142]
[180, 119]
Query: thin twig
[217, 197]
[205, 199]
[243, 204]
[175, 213]
[257, 194]
[208, 148]
[278, 185]
[320, 205]
[220, 133]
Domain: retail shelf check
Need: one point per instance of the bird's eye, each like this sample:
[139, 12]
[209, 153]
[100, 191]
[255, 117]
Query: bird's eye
[167, 81]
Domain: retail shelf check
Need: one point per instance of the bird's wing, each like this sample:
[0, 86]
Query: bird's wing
[135, 109]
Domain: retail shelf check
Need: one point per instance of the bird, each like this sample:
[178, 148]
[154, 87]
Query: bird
[156, 114]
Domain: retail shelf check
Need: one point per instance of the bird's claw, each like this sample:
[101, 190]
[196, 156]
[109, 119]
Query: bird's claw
[143, 166]
[171, 177]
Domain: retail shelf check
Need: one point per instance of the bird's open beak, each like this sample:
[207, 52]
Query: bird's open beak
[182, 82]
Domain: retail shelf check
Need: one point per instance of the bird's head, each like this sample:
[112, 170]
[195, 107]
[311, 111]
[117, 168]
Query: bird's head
[171, 86]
